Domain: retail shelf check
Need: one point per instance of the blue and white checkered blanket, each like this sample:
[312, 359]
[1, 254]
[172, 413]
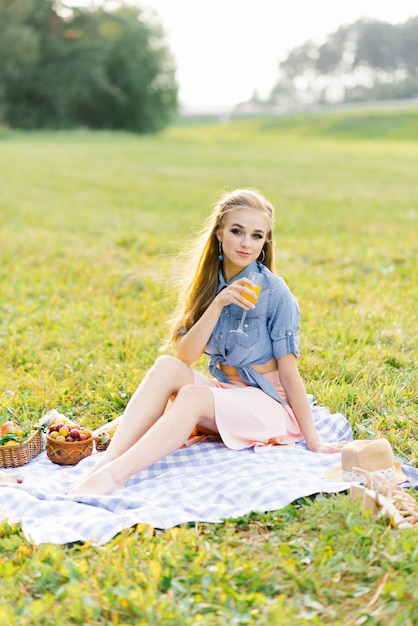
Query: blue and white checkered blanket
[206, 482]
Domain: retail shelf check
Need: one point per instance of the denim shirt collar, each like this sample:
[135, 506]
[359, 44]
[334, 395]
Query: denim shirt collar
[252, 267]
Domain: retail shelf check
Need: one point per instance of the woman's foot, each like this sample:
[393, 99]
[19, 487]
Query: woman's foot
[100, 482]
[102, 462]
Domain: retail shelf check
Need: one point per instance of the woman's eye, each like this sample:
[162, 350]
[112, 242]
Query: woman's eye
[239, 232]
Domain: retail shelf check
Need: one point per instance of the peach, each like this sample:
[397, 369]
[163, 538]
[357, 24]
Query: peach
[10, 428]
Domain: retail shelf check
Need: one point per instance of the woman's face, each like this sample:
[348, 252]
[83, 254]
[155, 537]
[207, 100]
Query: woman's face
[242, 235]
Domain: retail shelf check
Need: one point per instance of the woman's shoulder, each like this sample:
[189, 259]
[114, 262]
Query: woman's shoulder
[276, 283]
[281, 301]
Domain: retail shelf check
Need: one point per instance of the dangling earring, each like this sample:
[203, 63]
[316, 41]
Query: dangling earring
[220, 255]
[261, 261]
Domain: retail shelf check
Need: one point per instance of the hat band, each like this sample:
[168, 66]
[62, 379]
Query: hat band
[349, 477]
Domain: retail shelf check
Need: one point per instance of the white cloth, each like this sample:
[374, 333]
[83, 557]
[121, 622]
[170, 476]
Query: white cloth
[204, 483]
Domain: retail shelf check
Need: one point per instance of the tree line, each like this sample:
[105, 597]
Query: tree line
[64, 67]
[367, 60]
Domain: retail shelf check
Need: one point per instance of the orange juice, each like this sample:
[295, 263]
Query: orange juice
[253, 299]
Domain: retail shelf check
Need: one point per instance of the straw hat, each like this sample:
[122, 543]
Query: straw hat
[371, 455]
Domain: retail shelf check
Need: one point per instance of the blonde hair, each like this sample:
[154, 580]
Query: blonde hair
[199, 285]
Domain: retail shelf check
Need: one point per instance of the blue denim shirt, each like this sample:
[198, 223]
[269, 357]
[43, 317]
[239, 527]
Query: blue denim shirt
[272, 329]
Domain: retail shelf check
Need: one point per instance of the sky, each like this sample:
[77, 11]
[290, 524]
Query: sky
[224, 50]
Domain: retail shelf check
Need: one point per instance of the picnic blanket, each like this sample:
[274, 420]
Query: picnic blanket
[206, 482]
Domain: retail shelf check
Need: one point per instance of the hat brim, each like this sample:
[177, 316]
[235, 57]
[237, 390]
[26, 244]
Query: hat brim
[335, 474]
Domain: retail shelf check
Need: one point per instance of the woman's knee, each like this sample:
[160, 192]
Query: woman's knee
[167, 364]
[199, 398]
[198, 404]
[169, 368]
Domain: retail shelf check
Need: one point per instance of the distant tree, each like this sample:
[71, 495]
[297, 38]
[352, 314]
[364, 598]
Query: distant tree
[334, 54]
[377, 45]
[19, 45]
[408, 47]
[140, 91]
[300, 60]
[91, 67]
[45, 93]
[367, 59]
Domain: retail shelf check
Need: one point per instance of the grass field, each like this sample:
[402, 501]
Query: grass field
[90, 230]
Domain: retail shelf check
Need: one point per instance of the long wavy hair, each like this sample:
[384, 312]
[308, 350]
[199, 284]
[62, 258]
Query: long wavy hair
[198, 287]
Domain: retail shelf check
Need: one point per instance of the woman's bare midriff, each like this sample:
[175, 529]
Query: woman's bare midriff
[261, 368]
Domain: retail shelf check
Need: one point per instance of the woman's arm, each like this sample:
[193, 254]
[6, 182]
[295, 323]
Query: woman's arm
[192, 345]
[298, 400]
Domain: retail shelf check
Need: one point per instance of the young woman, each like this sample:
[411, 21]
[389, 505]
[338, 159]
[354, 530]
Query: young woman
[255, 396]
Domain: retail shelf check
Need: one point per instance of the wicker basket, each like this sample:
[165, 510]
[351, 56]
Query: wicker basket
[103, 435]
[68, 452]
[15, 456]
[101, 447]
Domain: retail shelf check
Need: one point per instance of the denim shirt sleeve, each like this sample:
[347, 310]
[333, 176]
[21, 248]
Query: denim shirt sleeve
[283, 321]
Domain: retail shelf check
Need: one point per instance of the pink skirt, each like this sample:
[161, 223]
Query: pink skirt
[246, 417]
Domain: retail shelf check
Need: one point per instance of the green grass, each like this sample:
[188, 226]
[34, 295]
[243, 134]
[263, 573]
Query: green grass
[362, 123]
[90, 228]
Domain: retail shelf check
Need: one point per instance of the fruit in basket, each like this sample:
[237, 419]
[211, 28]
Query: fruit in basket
[103, 438]
[67, 446]
[13, 431]
[53, 418]
[103, 434]
[11, 428]
[19, 445]
[63, 432]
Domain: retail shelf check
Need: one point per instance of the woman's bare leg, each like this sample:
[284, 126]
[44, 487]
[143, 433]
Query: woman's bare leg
[165, 378]
[192, 405]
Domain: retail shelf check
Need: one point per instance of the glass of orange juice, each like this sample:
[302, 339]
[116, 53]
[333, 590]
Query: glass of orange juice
[256, 278]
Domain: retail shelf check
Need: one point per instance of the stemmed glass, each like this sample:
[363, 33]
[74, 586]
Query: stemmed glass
[257, 279]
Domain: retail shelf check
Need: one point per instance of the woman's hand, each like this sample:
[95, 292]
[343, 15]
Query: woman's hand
[329, 448]
[233, 294]
[192, 345]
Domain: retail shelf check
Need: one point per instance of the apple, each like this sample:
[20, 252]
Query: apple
[62, 432]
[10, 428]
